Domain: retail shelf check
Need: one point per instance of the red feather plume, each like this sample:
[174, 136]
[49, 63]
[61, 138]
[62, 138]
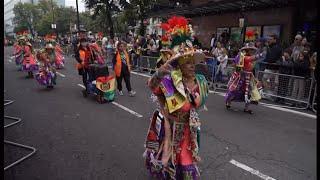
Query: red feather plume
[165, 26]
[249, 33]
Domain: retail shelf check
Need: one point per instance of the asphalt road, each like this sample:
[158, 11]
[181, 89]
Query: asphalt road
[77, 138]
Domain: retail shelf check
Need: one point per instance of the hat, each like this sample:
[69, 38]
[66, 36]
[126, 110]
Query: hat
[248, 46]
[196, 56]
[178, 34]
[49, 46]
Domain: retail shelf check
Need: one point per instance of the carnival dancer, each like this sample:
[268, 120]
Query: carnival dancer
[97, 52]
[59, 62]
[46, 75]
[122, 67]
[242, 85]
[29, 63]
[172, 143]
[51, 55]
[57, 53]
[18, 51]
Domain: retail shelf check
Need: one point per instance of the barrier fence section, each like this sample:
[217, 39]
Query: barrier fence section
[282, 87]
[314, 100]
[290, 89]
[147, 63]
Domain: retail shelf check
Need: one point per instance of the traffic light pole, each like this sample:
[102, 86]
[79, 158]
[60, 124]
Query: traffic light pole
[78, 19]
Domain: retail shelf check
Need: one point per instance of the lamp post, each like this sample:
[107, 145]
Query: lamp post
[78, 19]
[53, 25]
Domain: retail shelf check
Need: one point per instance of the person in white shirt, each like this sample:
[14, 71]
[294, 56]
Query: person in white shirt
[212, 42]
[222, 67]
[218, 50]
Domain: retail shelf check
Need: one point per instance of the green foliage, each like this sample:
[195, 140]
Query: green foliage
[40, 17]
[25, 16]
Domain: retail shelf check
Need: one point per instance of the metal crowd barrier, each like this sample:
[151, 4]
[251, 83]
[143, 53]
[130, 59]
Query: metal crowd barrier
[16, 121]
[314, 100]
[147, 63]
[217, 79]
[289, 87]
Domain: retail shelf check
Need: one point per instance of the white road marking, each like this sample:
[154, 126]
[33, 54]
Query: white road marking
[289, 110]
[140, 74]
[120, 106]
[82, 86]
[127, 109]
[62, 75]
[249, 169]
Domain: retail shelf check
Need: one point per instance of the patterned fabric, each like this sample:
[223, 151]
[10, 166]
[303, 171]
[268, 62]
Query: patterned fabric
[185, 127]
[241, 84]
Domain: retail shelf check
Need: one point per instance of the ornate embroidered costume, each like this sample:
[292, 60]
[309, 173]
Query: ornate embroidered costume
[242, 85]
[172, 143]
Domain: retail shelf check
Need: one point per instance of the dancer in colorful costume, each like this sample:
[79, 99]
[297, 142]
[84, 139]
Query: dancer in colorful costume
[29, 62]
[242, 85]
[58, 52]
[172, 143]
[97, 52]
[47, 74]
[18, 51]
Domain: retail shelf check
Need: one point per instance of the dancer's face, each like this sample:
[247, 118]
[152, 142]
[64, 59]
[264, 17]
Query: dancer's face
[188, 69]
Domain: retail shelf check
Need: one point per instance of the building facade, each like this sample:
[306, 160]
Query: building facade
[208, 17]
[9, 15]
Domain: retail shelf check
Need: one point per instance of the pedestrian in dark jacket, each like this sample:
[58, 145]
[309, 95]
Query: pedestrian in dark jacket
[301, 68]
[285, 67]
[274, 51]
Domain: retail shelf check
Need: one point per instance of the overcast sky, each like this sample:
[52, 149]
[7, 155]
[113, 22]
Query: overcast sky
[73, 3]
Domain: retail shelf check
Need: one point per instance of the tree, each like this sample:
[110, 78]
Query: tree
[63, 18]
[105, 9]
[25, 16]
[142, 8]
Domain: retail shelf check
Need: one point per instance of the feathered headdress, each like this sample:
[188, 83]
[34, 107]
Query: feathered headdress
[50, 38]
[178, 29]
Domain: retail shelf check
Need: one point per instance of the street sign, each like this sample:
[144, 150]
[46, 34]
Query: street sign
[241, 22]
[53, 26]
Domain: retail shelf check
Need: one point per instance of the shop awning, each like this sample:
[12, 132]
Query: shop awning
[219, 7]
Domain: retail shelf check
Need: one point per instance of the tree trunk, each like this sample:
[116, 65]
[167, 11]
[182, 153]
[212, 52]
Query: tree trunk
[109, 19]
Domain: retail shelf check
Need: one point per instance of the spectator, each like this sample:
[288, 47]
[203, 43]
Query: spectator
[121, 66]
[116, 41]
[273, 55]
[159, 43]
[212, 42]
[285, 67]
[104, 43]
[152, 48]
[300, 68]
[296, 47]
[260, 53]
[313, 64]
[218, 50]
[222, 67]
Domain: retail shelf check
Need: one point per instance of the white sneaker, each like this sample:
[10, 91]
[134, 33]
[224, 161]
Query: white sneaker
[120, 93]
[132, 93]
